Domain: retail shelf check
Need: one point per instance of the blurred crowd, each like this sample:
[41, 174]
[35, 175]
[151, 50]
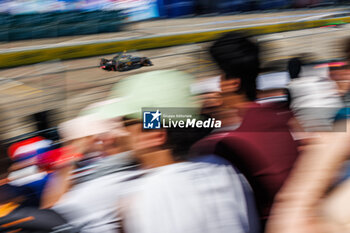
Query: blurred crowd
[277, 164]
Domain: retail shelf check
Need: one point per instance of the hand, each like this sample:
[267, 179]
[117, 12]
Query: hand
[295, 220]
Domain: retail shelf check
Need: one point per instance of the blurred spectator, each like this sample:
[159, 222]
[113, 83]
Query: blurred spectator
[308, 202]
[20, 195]
[341, 75]
[302, 205]
[314, 99]
[175, 195]
[90, 203]
[16, 218]
[25, 174]
[261, 147]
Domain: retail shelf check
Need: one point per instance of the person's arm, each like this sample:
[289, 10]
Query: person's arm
[62, 166]
[315, 171]
[56, 186]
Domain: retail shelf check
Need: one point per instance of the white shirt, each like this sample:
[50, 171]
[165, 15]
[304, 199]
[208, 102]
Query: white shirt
[91, 206]
[190, 197]
[315, 102]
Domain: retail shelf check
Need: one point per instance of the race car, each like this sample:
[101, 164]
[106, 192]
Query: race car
[123, 62]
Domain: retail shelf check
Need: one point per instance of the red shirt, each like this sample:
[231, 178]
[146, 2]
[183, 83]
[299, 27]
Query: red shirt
[262, 148]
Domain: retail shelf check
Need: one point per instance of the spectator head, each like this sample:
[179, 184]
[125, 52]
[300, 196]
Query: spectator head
[294, 67]
[208, 92]
[340, 73]
[116, 140]
[160, 90]
[85, 131]
[238, 57]
[80, 127]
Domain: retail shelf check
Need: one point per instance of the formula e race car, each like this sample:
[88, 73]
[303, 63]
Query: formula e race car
[123, 62]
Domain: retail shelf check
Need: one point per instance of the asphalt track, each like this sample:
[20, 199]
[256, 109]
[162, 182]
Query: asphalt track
[68, 86]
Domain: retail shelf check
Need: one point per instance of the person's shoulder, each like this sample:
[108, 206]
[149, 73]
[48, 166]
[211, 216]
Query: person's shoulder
[207, 145]
[212, 138]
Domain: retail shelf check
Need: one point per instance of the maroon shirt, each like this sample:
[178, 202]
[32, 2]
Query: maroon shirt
[262, 148]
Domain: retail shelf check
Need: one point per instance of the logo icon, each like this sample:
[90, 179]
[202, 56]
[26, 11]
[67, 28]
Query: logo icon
[151, 120]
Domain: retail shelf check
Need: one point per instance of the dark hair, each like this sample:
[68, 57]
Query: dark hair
[238, 56]
[180, 140]
[294, 67]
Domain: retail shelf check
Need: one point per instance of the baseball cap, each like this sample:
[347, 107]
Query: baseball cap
[155, 89]
[115, 123]
[83, 126]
